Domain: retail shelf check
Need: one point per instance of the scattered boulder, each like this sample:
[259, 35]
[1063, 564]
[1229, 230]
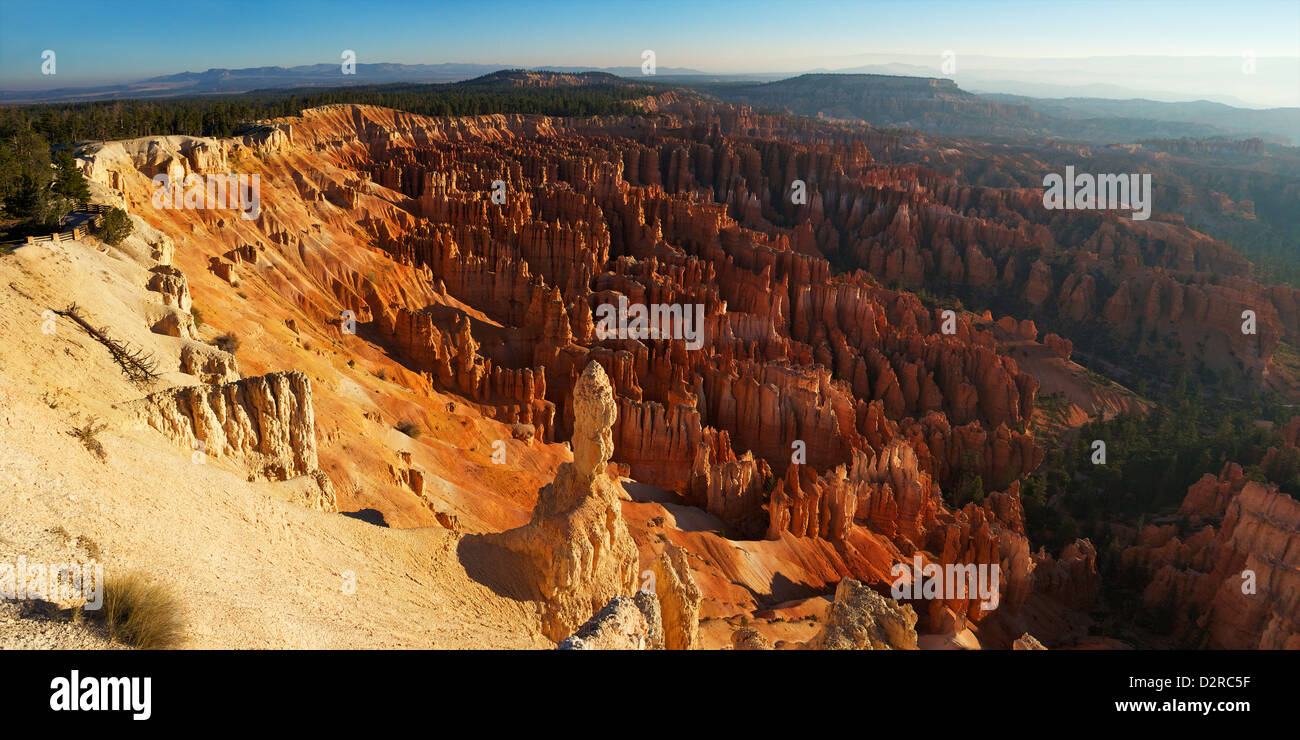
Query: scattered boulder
[172, 322]
[314, 491]
[162, 250]
[448, 520]
[224, 270]
[648, 603]
[861, 619]
[209, 364]
[748, 638]
[620, 625]
[172, 284]
[1027, 642]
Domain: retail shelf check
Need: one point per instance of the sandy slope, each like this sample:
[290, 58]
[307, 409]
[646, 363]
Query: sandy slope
[253, 569]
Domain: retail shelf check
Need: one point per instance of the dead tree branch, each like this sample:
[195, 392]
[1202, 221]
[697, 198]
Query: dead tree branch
[139, 365]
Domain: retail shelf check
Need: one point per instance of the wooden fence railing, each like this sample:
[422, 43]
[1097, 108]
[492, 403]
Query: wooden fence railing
[99, 209]
[58, 236]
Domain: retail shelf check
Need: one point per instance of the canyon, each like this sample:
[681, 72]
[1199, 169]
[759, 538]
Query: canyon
[417, 354]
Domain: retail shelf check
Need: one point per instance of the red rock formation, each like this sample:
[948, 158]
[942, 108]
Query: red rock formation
[1060, 345]
[1231, 586]
[817, 403]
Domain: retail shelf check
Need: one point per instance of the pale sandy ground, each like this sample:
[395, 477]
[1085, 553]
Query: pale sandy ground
[23, 628]
[253, 570]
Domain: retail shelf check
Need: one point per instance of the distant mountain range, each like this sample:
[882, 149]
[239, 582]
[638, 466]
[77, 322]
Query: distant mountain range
[1230, 120]
[938, 105]
[912, 98]
[232, 81]
[1269, 82]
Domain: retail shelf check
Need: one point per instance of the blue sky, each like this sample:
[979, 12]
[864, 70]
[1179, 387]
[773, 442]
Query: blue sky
[107, 41]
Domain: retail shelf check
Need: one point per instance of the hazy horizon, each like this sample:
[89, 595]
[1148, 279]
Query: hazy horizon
[1165, 50]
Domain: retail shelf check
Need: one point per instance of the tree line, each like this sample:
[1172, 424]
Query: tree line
[39, 183]
[230, 115]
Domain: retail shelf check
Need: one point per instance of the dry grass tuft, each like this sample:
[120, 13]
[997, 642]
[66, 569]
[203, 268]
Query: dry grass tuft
[141, 613]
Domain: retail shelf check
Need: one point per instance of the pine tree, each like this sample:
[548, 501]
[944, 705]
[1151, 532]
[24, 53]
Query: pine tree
[69, 181]
[116, 227]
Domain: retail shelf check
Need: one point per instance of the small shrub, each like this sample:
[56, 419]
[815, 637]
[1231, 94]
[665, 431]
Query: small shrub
[115, 227]
[408, 428]
[198, 316]
[141, 613]
[227, 343]
[352, 363]
[89, 436]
